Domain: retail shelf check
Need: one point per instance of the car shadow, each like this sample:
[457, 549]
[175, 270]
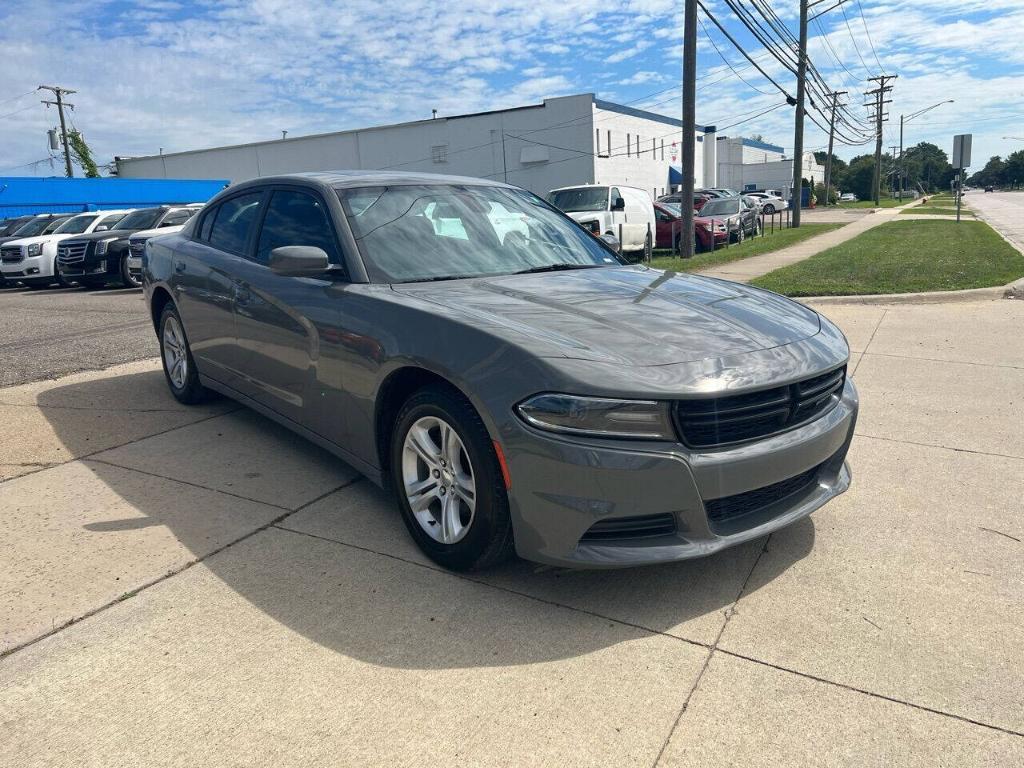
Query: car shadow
[365, 591]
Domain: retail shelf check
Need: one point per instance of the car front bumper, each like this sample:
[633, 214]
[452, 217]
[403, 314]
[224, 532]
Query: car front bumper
[560, 488]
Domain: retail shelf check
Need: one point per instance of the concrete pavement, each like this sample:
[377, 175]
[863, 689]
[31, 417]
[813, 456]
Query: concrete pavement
[1004, 211]
[192, 587]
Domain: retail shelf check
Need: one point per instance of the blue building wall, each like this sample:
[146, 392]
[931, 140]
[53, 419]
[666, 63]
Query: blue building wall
[20, 195]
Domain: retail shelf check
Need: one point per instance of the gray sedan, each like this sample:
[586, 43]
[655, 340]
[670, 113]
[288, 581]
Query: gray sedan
[516, 385]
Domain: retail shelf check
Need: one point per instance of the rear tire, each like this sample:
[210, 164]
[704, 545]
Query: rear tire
[440, 449]
[769, 209]
[179, 366]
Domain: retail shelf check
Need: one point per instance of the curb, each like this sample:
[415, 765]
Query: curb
[1014, 290]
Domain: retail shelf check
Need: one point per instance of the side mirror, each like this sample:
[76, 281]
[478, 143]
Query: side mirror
[618, 204]
[611, 241]
[299, 261]
[102, 228]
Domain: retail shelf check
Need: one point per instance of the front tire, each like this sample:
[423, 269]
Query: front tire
[448, 482]
[769, 209]
[126, 276]
[179, 366]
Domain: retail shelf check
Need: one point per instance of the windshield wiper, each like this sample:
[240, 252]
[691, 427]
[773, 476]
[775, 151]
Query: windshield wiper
[556, 268]
[437, 278]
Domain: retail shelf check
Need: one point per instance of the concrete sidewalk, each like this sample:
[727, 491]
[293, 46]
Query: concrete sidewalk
[199, 587]
[745, 270]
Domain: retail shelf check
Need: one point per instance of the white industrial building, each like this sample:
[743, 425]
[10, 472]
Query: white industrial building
[563, 141]
[749, 164]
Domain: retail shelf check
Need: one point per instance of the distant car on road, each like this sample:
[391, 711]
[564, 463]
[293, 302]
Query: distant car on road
[848, 197]
[527, 393]
[990, 188]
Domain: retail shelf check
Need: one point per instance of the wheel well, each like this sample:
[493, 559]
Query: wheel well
[396, 389]
[156, 306]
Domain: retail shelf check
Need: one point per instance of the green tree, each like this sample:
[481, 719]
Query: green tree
[991, 174]
[1013, 170]
[858, 176]
[926, 165]
[82, 155]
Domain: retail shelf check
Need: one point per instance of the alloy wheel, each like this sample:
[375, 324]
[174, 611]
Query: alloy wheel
[175, 353]
[438, 480]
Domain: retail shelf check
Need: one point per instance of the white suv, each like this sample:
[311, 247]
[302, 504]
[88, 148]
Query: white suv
[33, 260]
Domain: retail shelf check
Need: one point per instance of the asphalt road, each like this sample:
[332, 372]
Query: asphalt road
[1003, 210]
[50, 333]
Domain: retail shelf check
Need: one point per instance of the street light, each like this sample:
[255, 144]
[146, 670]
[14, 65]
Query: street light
[907, 119]
[1015, 138]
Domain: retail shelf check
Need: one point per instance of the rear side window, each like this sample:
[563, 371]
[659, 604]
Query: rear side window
[233, 222]
[174, 218]
[296, 218]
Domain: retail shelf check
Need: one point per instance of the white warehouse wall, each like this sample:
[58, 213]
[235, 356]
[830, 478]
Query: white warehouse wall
[538, 147]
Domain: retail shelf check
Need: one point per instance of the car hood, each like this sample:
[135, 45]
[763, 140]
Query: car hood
[628, 315]
[110, 234]
[51, 238]
[143, 234]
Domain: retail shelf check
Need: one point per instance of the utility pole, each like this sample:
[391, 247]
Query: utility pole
[879, 105]
[798, 123]
[895, 170]
[688, 153]
[834, 96]
[902, 166]
[60, 104]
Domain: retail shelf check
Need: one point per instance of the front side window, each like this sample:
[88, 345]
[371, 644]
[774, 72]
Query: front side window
[409, 233]
[233, 221]
[580, 199]
[296, 218]
[76, 225]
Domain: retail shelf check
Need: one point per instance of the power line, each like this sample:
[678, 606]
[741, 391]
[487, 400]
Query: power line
[17, 111]
[866, 32]
[727, 62]
[853, 39]
[15, 98]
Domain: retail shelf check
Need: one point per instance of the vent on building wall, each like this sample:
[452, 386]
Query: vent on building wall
[439, 153]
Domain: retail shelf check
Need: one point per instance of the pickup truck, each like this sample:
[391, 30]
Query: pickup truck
[96, 259]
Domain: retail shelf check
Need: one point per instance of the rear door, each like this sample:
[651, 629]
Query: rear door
[203, 275]
[277, 317]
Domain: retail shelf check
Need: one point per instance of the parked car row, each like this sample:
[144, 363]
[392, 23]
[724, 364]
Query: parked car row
[92, 249]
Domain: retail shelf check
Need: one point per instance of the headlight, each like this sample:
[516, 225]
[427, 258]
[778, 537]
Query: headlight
[593, 227]
[101, 246]
[598, 416]
[34, 249]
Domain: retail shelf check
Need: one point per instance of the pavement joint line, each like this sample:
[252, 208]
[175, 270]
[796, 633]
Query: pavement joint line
[190, 484]
[868, 345]
[119, 445]
[940, 360]
[942, 447]
[729, 612]
[7, 653]
[86, 408]
[72, 336]
[497, 587]
[873, 694]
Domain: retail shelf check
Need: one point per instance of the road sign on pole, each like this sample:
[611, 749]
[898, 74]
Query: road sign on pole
[962, 150]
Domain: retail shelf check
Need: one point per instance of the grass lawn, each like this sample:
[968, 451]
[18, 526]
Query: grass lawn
[772, 241]
[886, 202]
[904, 257]
[939, 206]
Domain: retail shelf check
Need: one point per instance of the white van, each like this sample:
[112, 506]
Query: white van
[603, 208]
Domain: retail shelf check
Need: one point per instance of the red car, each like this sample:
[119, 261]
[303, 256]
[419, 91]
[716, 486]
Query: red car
[709, 233]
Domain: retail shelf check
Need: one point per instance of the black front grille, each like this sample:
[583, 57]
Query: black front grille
[641, 527]
[730, 507]
[11, 255]
[712, 422]
[71, 253]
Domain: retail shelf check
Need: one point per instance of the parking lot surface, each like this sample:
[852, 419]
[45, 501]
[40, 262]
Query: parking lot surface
[199, 587]
[50, 333]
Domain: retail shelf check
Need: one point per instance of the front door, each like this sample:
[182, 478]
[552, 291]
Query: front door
[278, 318]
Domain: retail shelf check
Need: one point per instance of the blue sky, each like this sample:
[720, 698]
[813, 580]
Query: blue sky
[184, 75]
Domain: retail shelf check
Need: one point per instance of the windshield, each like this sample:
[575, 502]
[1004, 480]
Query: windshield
[76, 225]
[584, 199]
[721, 207]
[440, 232]
[33, 227]
[143, 219]
[676, 209]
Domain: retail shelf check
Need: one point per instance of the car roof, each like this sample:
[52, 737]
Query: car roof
[361, 178]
